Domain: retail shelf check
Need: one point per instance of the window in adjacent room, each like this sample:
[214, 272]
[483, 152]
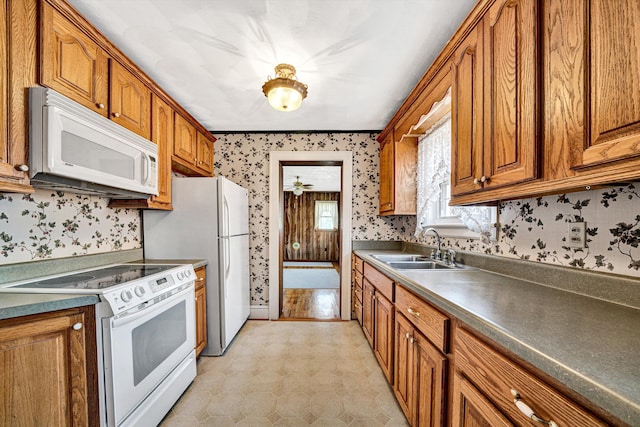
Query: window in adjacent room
[326, 213]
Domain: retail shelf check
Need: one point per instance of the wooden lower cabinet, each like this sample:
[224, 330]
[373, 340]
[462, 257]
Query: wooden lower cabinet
[471, 408]
[495, 379]
[368, 292]
[49, 369]
[201, 309]
[383, 334]
[420, 376]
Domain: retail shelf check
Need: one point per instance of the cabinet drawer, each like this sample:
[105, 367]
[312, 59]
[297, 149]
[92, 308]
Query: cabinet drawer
[495, 376]
[381, 282]
[433, 324]
[358, 264]
[357, 278]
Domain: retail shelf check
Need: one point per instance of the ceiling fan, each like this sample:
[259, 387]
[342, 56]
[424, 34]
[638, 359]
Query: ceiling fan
[298, 187]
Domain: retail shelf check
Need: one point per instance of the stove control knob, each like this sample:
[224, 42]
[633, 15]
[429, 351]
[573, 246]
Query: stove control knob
[180, 275]
[188, 272]
[126, 296]
[140, 290]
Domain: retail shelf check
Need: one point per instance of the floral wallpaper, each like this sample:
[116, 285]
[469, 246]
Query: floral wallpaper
[244, 159]
[49, 224]
[536, 230]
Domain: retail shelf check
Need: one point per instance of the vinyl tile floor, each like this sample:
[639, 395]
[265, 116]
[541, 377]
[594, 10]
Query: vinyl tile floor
[284, 373]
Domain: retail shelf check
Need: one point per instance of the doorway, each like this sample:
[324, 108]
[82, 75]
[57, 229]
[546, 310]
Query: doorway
[311, 241]
[281, 251]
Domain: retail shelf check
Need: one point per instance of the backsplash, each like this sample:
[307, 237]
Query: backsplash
[49, 224]
[244, 159]
[536, 230]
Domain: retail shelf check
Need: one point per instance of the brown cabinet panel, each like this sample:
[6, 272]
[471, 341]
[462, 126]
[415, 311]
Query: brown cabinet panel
[368, 304]
[404, 367]
[495, 376]
[205, 154]
[427, 319]
[613, 64]
[470, 408]
[72, 63]
[467, 114]
[382, 283]
[130, 101]
[201, 309]
[510, 92]
[387, 188]
[162, 135]
[383, 342]
[44, 380]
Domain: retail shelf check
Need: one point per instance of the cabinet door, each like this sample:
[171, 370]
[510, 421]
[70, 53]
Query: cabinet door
[205, 154]
[368, 295]
[201, 309]
[162, 134]
[387, 184]
[130, 101]
[467, 114]
[71, 63]
[44, 376]
[613, 61]
[185, 141]
[471, 408]
[510, 92]
[383, 329]
[403, 381]
[431, 385]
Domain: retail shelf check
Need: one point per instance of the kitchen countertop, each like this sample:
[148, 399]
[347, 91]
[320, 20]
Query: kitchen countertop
[588, 344]
[16, 305]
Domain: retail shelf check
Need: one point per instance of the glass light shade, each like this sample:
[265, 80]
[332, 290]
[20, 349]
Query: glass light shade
[284, 98]
[297, 191]
[285, 92]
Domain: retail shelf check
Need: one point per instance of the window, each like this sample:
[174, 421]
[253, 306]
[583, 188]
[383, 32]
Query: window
[326, 215]
[434, 188]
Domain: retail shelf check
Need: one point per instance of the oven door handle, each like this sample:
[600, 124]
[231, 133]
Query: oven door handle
[149, 309]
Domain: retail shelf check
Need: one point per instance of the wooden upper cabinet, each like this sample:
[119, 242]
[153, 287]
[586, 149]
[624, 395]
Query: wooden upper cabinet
[185, 141]
[494, 99]
[398, 164]
[130, 101]
[466, 114]
[71, 63]
[205, 154]
[162, 134]
[612, 50]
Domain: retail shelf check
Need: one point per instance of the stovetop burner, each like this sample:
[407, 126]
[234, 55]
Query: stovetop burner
[98, 279]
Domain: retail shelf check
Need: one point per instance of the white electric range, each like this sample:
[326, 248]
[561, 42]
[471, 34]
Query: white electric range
[145, 336]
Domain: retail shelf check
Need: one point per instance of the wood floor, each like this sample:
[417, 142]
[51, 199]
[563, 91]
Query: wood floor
[321, 304]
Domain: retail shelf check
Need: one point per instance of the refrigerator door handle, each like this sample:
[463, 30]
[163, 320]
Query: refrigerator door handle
[225, 216]
[227, 267]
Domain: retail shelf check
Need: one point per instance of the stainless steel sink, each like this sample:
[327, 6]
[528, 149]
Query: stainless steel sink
[418, 265]
[400, 258]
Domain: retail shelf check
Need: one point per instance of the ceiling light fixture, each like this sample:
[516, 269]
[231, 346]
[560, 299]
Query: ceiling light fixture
[284, 91]
[297, 191]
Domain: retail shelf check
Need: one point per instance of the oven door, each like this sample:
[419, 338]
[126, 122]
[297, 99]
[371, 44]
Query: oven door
[142, 348]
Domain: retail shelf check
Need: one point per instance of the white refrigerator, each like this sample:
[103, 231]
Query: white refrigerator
[210, 220]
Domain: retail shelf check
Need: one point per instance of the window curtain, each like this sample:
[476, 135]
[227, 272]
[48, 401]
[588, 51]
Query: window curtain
[326, 211]
[434, 168]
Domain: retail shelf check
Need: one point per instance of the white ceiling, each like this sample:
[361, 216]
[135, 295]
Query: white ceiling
[360, 58]
[323, 178]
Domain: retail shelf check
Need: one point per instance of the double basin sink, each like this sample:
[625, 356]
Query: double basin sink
[416, 262]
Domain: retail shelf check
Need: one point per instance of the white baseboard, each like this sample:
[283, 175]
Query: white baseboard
[259, 312]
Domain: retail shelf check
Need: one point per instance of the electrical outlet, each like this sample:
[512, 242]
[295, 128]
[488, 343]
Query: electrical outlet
[576, 235]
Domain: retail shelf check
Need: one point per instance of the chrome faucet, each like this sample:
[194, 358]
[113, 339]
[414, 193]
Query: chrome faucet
[438, 254]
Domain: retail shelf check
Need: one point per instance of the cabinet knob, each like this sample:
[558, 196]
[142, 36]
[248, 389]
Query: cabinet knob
[200, 279]
[484, 179]
[407, 335]
[100, 106]
[476, 181]
[116, 115]
[77, 326]
[528, 412]
[23, 168]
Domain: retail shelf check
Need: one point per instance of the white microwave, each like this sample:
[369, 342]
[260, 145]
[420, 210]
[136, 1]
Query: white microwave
[77, 150]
